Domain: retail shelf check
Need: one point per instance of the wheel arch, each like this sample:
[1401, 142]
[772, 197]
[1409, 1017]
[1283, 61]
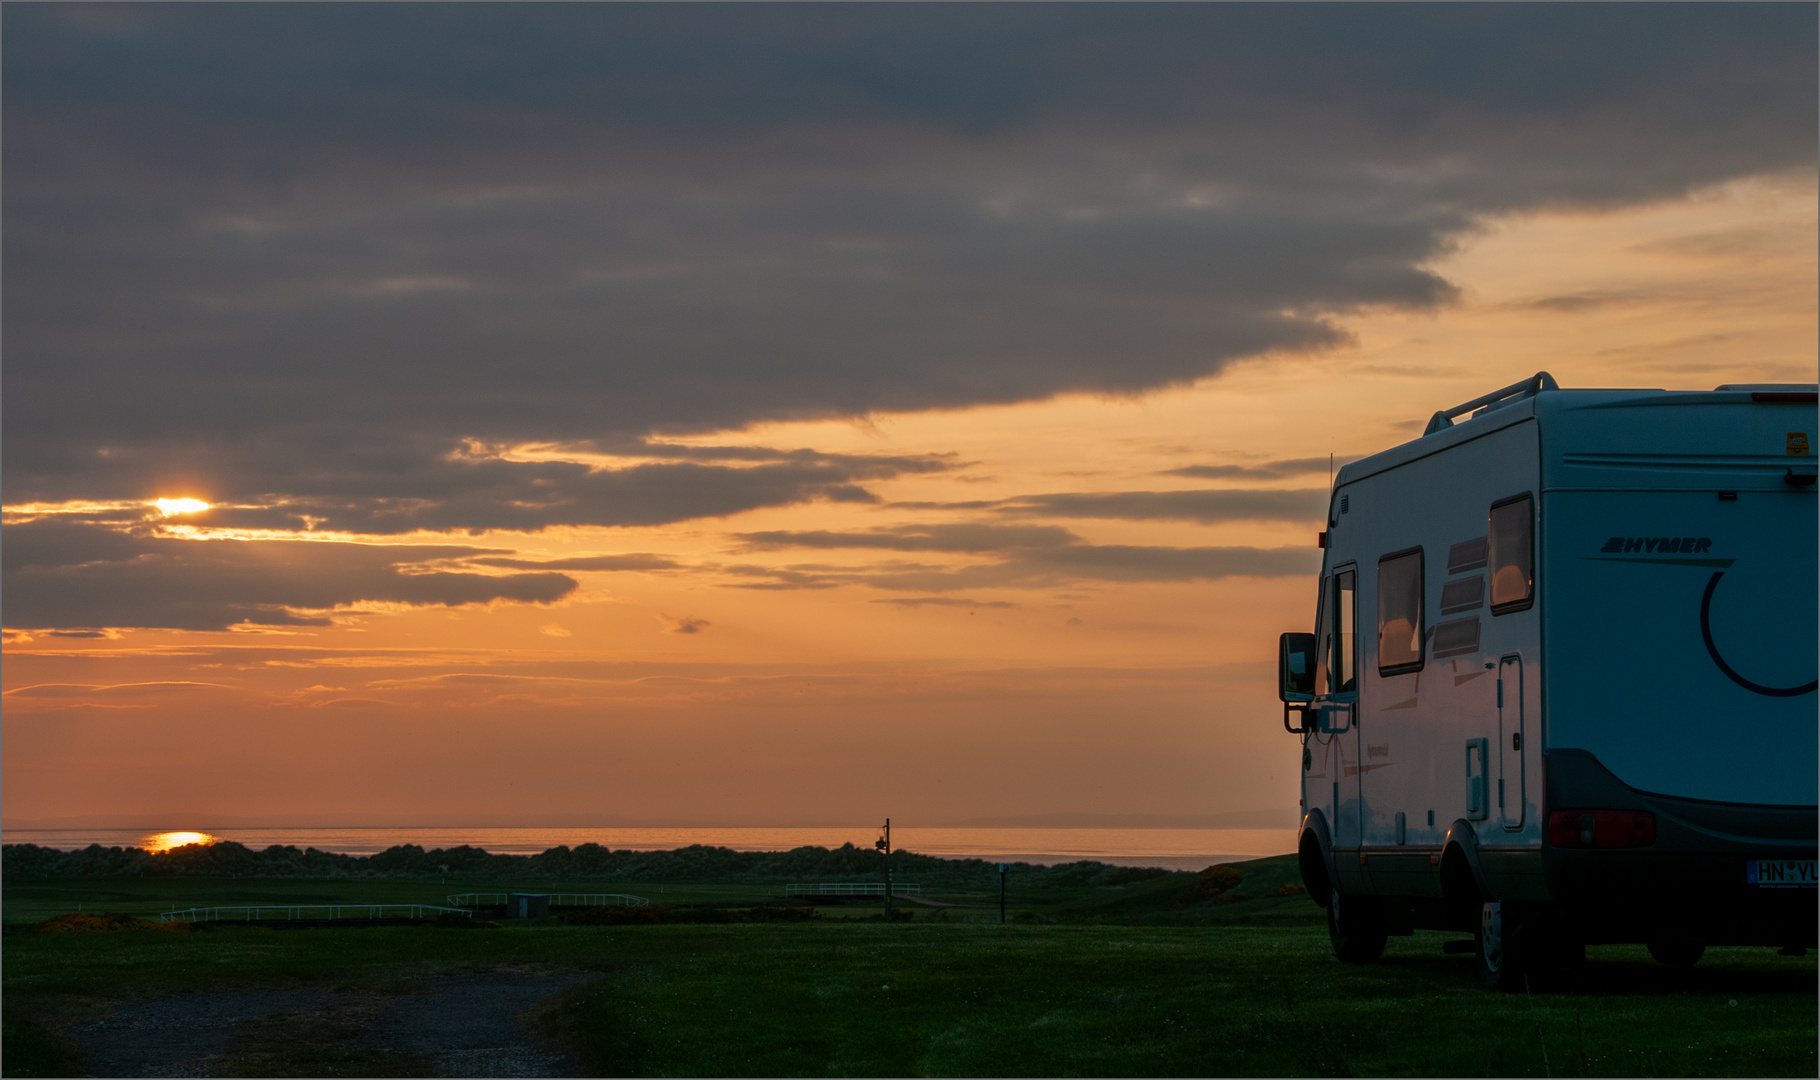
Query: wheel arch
[1462, 879]
[1314, 857]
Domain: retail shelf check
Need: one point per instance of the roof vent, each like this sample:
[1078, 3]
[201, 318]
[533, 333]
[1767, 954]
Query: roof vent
[1533, 385]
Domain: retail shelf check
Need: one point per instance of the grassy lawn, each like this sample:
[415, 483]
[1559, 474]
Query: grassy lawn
[1112, 981]
[1151, 901]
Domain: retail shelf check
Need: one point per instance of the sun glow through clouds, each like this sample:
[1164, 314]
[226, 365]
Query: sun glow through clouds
[166, 841]
[173, 507]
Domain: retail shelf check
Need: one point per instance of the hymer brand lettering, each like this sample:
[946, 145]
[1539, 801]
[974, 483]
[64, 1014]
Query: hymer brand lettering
[1657, 545]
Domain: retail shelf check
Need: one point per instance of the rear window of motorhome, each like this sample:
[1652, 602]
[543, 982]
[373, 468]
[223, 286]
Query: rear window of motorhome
[1513, 579]
[1400, 612]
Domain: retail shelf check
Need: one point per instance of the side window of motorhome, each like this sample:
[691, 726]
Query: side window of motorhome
[1400, 612]
[1346, 618]
[1513, 579]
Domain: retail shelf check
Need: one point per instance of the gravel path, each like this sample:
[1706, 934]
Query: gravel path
[463, 1025]
[174, 1036]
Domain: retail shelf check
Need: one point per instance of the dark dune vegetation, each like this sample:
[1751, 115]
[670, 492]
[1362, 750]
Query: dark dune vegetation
[588, 862]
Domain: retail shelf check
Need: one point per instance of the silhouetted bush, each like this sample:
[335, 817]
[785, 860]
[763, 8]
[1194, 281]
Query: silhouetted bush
[1214, 883]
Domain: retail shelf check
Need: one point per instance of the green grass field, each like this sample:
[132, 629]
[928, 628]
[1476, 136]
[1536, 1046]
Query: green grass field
[1110, 981]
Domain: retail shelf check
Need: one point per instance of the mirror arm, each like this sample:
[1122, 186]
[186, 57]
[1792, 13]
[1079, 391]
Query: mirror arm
[1294, 706]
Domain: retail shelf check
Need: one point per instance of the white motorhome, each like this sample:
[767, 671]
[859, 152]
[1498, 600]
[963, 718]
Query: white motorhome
[1562, 685]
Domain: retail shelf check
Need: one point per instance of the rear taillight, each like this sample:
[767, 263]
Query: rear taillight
[1601, 828]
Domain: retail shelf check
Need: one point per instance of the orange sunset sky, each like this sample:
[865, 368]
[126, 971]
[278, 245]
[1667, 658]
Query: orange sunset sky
[784, 416]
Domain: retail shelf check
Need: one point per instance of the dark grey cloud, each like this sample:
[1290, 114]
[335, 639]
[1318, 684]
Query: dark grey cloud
[943, 601]
[62, 575]
[1208, 506]
[636, 561]
[1040, 567]
[404, 492]
[291, 256]
[1043, 567]
[1580, 301]
[1205, 505]
[962, 537]
[90, 690]
[1264, 470]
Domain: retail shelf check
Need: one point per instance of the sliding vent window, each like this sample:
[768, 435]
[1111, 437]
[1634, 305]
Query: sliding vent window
[1400, 612]
[1513, 577]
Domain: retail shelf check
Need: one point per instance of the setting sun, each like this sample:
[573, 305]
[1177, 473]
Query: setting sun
[173, 507]
[166, 841]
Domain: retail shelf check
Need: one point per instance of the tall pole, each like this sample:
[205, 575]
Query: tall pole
[1002, 867]
[888, 889]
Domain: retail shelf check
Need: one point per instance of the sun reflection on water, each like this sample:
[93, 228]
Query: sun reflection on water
[165, 841]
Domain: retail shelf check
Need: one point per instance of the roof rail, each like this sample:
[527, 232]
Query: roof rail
[1535, 384]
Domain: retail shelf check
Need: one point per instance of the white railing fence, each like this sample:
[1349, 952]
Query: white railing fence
[498, 899]
[852, 888]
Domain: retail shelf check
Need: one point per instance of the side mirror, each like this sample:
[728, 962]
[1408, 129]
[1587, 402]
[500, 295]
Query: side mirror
[1295, 678]
[1295, 668]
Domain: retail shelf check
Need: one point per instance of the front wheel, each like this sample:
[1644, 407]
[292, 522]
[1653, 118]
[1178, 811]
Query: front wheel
[1356, 927]
[1502, 959]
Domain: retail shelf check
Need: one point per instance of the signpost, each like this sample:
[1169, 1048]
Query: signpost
[1002, 868]
[884, 845]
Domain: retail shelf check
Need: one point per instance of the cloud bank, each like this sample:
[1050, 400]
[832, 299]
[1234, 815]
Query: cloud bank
[296, 256]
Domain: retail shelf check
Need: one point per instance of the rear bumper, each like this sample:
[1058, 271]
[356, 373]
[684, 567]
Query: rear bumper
[1692, 880]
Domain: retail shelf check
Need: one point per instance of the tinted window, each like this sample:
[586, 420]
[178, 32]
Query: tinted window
[1346, 618]
[1400, 613]
[1513, 580]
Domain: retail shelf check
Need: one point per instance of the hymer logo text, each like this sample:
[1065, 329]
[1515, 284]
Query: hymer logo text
[1657, 545]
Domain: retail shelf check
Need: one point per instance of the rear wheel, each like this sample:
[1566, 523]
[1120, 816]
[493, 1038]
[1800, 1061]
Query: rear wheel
[1356, 927]
[1676, 952]
[1503, 958]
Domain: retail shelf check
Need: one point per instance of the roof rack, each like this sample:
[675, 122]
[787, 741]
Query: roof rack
[1535, 384]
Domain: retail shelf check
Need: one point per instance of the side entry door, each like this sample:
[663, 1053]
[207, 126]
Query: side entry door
[1510, 742]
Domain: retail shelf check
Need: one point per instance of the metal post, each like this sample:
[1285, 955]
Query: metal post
[1002, 867]
[887, 869]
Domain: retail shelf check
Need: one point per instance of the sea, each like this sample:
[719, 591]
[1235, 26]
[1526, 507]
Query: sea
[1173, 849]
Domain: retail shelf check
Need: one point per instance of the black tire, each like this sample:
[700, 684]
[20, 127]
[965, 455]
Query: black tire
[1504, 960]
[1356, 927]
[1676, 952]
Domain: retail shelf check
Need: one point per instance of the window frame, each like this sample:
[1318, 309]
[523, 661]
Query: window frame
[1421, 659]
[1491, 562]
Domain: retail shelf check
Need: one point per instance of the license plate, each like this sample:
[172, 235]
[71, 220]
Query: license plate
[1781, 873]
